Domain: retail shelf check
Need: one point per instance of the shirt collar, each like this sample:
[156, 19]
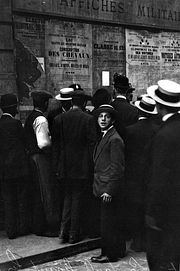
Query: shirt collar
[121, 96]
[7, 114]
[167, 116]
[105, 131]
[38, 110]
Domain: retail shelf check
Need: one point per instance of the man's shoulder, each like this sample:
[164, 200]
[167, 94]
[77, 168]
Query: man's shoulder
[114, 135]
[10, 120]
[122, 103]
[77, 113]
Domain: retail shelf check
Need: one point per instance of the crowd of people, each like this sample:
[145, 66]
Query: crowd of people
[111, 172]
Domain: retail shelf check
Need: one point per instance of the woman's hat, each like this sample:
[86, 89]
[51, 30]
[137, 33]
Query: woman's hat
[166, 92]
[8, 100]
[65, 94]
[147, 104]
[105, 108]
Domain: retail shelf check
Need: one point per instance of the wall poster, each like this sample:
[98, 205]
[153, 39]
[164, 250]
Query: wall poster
[29, 45]
[151, 56]
[108, 52]
[68, 55]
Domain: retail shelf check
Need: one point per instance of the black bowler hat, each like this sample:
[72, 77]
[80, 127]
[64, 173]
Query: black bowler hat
[76, 87]
[121, 81]
[80, 93]
[8, 100]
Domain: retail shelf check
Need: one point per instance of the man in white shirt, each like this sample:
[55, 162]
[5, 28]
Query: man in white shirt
[39, 145]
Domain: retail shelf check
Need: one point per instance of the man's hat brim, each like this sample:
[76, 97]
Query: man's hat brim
[58, 97]
[152, 92]
[109, 110]
[154, 112]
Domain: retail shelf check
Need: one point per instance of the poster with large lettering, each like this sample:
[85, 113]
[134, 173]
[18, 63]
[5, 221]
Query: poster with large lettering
[68, 55]
[151, 56]
[108, 52]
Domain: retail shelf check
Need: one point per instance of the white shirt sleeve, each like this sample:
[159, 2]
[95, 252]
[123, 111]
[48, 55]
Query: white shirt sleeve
[41, 129]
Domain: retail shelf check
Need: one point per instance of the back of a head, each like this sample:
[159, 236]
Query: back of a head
[79, 98]
[101, 96]
[121, 83]
[40, 98]
[78, 101]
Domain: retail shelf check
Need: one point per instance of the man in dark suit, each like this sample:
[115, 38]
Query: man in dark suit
[73, 141]
[163, 194]
[60, 104]
[138, 137]
[127, 113]
[108, 186]
[14, 171]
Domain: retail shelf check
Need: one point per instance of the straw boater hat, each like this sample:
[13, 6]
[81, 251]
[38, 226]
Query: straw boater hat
[146, 104]
[166, 92]
[105, 108]
[64, 94]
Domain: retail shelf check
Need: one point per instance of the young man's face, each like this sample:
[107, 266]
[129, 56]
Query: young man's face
[105, 120]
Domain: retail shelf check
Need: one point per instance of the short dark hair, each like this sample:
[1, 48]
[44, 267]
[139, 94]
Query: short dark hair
[40, 98]
[78, 100]
[101, 96]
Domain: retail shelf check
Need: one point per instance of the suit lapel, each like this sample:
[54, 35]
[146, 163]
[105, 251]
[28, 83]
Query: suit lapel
[99, 147]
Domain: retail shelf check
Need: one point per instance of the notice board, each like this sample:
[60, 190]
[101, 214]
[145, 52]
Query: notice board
[108, 52]
[152, 56]
[68, 54]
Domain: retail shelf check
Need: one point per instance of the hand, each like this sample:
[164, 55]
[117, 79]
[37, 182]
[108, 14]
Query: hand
[106, 197]
[151, 223]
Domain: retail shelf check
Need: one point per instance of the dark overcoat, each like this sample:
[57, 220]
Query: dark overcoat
[73, 139]
[13, 159]
[138, 137]
[109, 178]
[127, 113]
[109, 164]
[163, 194]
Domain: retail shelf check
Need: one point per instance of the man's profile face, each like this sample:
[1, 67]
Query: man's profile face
[104, 120]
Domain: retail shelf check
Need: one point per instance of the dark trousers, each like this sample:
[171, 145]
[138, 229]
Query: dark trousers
[71, 215]
[43, 212]
[163, 250]
[135, 225]
[90, 214]
[15, 197]
[112, 229]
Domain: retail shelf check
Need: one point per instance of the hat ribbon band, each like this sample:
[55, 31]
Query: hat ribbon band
[65, 95]
[148, 107]
[166, 97]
